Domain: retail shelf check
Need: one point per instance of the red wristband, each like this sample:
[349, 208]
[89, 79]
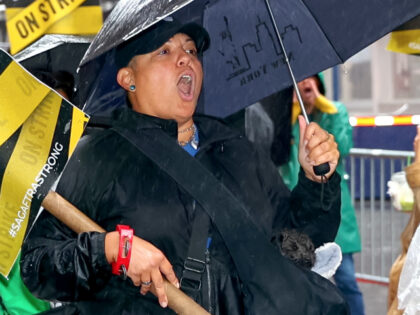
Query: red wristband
[120, 267]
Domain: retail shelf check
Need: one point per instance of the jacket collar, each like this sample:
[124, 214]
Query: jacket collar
[211, 129]
[136, 122]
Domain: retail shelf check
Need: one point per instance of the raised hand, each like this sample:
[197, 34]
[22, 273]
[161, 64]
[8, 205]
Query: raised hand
[316, 146]
[416, 145]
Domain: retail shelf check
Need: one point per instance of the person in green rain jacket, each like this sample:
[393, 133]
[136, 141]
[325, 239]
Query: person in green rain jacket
[15, 298]
[333, 117]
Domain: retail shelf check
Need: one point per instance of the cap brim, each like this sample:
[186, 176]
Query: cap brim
[153, 38]
[198, 34]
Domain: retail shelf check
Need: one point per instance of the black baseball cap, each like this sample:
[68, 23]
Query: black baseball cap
[158, 34]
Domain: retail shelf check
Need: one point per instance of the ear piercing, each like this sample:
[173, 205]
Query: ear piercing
[132, 88]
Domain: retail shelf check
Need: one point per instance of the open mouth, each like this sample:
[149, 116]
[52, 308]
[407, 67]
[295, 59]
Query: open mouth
[185, 86]
[307, 90]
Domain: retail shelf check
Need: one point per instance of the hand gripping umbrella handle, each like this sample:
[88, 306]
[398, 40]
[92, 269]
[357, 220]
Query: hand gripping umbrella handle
[321, 169]
[79, 222]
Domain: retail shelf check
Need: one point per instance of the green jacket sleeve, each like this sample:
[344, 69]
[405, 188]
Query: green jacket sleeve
[16, 298]
[338, 125]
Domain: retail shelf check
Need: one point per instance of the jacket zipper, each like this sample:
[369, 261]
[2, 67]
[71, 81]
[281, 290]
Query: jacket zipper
[210, 310]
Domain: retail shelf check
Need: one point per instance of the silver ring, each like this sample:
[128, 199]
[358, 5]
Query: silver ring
[123, 273]
[146, 282]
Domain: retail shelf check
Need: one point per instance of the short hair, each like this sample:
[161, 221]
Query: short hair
[296, 246]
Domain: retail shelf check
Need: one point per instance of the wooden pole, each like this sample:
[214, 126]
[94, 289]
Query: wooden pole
[79, 222]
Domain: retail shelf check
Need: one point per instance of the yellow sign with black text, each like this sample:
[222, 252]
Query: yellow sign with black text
[84, 20]
[17, 90]
[406, 38]
[34, 153]
[33, 21]
[406, 41]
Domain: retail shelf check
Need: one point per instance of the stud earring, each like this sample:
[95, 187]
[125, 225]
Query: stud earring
[132, 88]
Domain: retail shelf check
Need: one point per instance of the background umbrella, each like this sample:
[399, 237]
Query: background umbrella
[54, 52]
[244, 62]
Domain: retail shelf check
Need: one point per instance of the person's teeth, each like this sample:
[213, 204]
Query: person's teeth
[187, 78]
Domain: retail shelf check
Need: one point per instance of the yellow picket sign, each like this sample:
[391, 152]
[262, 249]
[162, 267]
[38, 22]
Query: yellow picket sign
[35, 19]
[78, 123]
[84, 20]
[34, 155]
[406, 38]
[21, 178]
[405, 41]
[18, 90]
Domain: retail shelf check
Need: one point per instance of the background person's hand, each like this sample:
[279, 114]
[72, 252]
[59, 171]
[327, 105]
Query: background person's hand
[147, 265]
[316, 146]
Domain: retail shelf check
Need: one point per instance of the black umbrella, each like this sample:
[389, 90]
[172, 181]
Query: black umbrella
[245, 62]
[55, 51]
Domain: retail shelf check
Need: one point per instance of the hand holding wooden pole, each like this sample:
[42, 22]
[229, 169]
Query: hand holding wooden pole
[79, 222]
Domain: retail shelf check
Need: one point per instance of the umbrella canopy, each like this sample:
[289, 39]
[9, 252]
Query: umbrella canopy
[244, 63]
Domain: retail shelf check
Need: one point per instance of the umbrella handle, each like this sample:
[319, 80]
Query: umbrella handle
[79, 222]
[321, 169]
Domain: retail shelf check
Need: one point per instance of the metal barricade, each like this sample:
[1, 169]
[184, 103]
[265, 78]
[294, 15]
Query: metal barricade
[380, 225]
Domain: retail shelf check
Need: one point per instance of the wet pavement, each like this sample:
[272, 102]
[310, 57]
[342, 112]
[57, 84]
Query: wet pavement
[374, 297]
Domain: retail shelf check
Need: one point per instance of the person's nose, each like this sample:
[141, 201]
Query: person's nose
[184, 58]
